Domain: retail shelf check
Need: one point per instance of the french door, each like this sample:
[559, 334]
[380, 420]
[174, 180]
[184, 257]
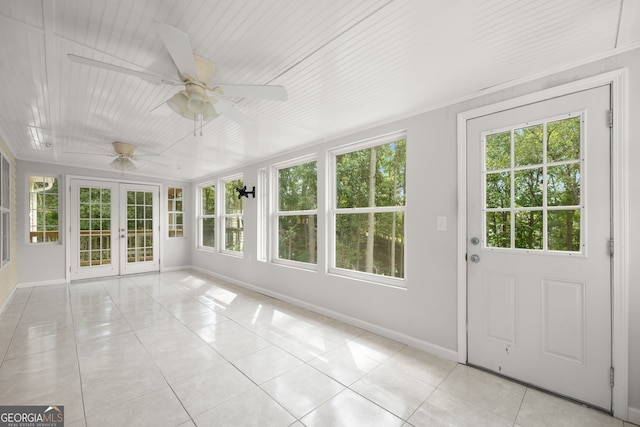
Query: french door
[539, 229]
[114, 229]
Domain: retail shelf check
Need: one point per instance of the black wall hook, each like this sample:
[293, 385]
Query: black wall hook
[243, 192]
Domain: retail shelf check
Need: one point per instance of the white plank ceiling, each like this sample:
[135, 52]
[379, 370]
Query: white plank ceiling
[346, 64]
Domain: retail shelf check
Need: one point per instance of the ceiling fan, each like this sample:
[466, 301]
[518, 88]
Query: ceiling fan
[200, 99]
[124, 156]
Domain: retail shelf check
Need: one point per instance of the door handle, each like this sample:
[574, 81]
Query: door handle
[474, 258]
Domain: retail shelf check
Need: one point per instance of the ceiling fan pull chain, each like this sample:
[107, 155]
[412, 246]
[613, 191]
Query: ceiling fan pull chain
[200, 124]
[194, 125]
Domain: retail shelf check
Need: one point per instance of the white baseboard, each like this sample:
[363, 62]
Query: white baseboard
[371, 327]
[6, 302]
[42, 283]
[178, 268]
[634, 415]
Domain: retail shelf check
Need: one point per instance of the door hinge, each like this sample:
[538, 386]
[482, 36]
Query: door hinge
[611, 376]
[610, 118]
[610, 247]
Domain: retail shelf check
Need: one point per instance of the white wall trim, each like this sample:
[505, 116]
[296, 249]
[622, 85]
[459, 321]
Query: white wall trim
[177, 268]
[620, 217]
[371, 327]
[6, 302]
[41, 283]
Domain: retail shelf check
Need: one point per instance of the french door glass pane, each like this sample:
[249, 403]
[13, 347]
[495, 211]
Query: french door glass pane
[95, 226]
[139, 226]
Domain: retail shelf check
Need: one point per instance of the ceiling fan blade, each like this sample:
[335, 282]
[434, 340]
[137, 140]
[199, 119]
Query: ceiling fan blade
[274, 93]
[84, 153]
[145, 75]
[235, 115]
[179, 47]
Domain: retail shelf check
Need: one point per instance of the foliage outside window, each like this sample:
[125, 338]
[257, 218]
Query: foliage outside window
[296, 214]
[43, 209]
[232, 216]
[175, 212]
[5, 211]
[207, 218]
[533, 187]
[370, 198]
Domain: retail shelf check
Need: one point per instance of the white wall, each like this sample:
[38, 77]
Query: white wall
[45, 262]
[426, 311]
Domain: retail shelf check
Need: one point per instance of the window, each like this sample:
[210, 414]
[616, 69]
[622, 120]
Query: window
[43, 209]
[296, 214]
[232, 217]
[368, 206]
[175, 212]
[532, 192]
[207, 218]
[5, 211]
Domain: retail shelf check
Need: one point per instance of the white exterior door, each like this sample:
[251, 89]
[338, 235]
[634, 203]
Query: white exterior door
[539, 227]
[139, 213]
[114, 229]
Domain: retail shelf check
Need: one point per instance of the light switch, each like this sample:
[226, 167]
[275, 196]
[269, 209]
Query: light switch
[442, 223]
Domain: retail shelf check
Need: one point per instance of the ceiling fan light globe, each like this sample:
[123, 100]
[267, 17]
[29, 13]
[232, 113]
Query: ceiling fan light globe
[123, 164]
[178, 103]
[209, 113]
[197, 103]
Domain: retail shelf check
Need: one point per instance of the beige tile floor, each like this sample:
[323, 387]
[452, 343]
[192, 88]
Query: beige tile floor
[182, 349]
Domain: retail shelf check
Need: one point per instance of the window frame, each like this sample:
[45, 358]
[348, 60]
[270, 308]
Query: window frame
[5, 210]
[175, 212]
[201, 217]
[545, 208]
[262, 196]
[223, 215]
[275, 213]
[333, 211]
[29, 211]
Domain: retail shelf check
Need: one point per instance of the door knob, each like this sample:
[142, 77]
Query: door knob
[474, 258]
[475, 240]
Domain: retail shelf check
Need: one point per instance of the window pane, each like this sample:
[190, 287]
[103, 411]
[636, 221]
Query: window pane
[529, 230]
[563, 188]
[372, 243]
[563, 140]
[564, 230]
[208, 200]
[527, 146]
[498, 151]
[208, 232]
[528, 187]
[5, 201]
[234, 239]
[6, 246]
[43, 215]
[297, 187]
[372, 177]
[233, 203]
[499, 190]
[297, 238]
[498, 227]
